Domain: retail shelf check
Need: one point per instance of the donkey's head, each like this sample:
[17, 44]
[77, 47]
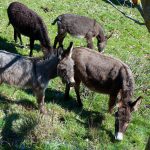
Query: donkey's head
[65, 68]
[102, 41]
[123, 117]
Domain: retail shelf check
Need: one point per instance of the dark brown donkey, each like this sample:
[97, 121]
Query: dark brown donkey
[103, 74]
[80, 26]
[27, 22]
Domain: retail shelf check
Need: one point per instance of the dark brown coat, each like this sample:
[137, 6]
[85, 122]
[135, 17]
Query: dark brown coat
[103, 74]
[27, 22]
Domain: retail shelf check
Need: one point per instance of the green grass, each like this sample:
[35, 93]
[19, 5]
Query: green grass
[66, 127]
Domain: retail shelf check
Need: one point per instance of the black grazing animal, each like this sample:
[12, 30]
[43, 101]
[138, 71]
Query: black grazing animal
[27, 22]
[30, 73]
[103, 74]
[80, 26]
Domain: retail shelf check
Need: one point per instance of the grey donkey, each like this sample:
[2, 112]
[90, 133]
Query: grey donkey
[80, 26]
[30, 73]
[103, 74]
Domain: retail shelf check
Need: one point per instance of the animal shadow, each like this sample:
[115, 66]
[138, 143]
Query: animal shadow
[121, 2]
[36, 47]
[55, 96]
[27, 104]
[92, 119]
[148, 144]
[12, 139]
[6, 45]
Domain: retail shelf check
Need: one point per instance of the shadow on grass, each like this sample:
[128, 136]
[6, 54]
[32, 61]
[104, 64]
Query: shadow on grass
[27, 104]
[11, 47]
[12, 139]
[55, 96]
[5, 45]
[37, 47]
[148, 144]
[92, 119]
[120, 3]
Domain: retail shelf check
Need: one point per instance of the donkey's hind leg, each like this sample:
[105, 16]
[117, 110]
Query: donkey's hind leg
[21, 43]
[60, 36]
[15, 36]
[59, 39]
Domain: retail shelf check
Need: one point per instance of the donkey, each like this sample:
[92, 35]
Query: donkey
[30, 73]
[27, 22]
[80, 26]
[102, 74]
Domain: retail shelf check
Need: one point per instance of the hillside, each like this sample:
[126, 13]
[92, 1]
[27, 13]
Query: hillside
[66, 127]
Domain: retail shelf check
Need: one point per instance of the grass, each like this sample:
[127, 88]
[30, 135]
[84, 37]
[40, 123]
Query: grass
[66, 127]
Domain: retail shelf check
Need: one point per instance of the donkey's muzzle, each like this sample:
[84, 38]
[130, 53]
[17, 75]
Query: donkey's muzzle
[72, 82]
[119, 136]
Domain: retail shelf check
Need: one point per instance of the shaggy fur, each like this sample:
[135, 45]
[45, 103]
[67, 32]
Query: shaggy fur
[102, 73]
[27, 22]
[79, 26]
[31, 73]
[107, 75]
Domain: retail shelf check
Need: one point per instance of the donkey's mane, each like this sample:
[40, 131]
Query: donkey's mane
[43, 59]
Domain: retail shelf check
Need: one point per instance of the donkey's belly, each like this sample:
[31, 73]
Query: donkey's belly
[106, 88]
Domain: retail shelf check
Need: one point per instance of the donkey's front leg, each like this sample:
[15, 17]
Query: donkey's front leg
[89, 37]
[77, 90]
[66, 96]
[112, 101]
[40, 94]
[31, 46]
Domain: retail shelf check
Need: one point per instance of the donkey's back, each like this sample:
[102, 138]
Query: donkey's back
[75, 24]
[15, 69]
[99, 72]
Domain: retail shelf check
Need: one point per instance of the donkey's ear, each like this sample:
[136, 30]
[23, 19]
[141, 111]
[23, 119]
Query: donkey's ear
[59, 52]
[70, 49]
[136, 104]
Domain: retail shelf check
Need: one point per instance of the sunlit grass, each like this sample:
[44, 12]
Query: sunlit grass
[67, 127]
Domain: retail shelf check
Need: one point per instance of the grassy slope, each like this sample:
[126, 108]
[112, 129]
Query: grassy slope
[66, 126]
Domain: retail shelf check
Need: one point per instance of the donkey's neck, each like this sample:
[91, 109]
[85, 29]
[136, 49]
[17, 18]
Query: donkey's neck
[47, 68]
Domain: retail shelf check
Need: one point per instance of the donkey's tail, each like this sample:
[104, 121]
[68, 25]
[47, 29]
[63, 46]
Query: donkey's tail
[57, 19]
